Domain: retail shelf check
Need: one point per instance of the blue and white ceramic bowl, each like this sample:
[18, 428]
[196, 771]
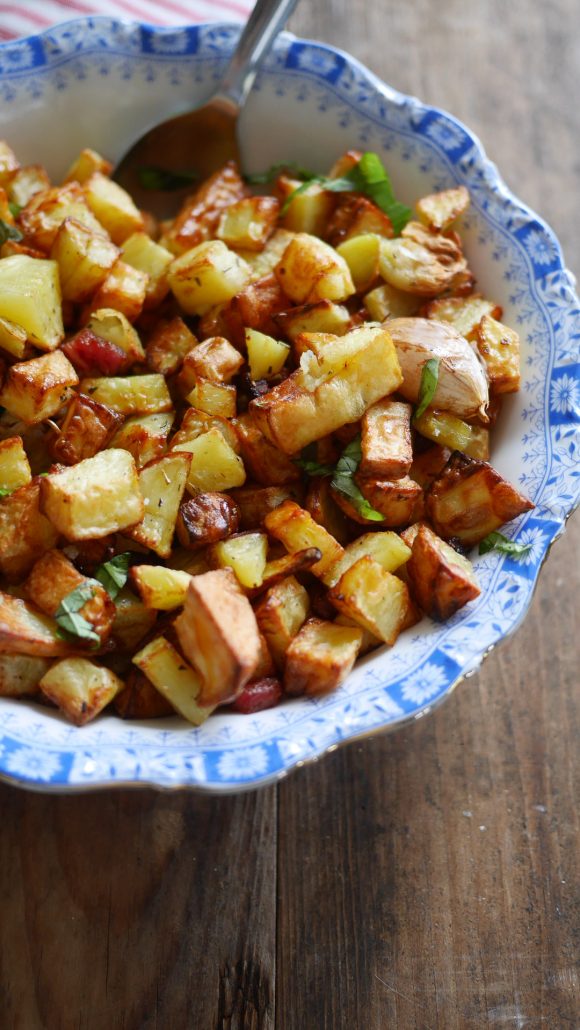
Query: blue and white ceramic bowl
[100, 83]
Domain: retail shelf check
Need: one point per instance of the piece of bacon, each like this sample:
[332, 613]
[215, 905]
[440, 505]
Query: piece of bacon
[91, 355]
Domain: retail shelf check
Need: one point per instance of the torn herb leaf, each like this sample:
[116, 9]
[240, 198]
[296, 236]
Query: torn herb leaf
[499, 542]
[9, 232]
[151, 177]
[343, 477]
[429, 380]
[113, 574]
[70, 623]
[263, 178]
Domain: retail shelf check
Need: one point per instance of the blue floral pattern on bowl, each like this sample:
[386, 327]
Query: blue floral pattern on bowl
[151, 71]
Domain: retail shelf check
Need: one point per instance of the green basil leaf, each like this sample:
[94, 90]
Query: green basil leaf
[429, 380]
[262, 178]
[69, 622]
[343, 480]
[9, 232]
[113, 574]
[312, 468]
[15, 208]
[4, 492]
[151, 177]
[499, 542]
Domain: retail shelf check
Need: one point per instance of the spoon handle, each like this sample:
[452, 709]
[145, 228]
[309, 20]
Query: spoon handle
[265, 22]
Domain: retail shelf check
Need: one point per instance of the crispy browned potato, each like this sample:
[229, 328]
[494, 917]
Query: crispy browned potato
[21, 674]
[463, 313]
[440, 580]
[140, 700]
[98, 496]
[324, 510]
[167, 346]
[470, 499]
[387, 451]
[373, 598]
[25, 533]
[297, 530]
[438, 211]
[206, 518]
[37, 389]
[201, 211]
[399, 501]
[247, 223]
[428, 464]
[264, 462]
[87, 427]
[355, 216]
[213, 359]
[219, 636]
[500, 349]
[320, 657]
[254, 307]
[287, 565]
[80, 688]
[280, 614]
[255, 502]
[26, 630]
[53, 577]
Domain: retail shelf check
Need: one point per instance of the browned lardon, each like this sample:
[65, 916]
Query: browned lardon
[205, 519]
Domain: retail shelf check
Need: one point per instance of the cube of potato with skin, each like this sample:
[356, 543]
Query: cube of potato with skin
[133, 622]
[87, 162]
[288, 565]
[98, 496]
[254, 307]
[469, 500]
[206, 275]
[245, 554]
[30, 297]
[280, 614]
[356, 216]
[37, 389]
[266, 356]
[206, 518]
[87, 427]
[219, 635]
[80, 688]
[453, 433]
[53, 577]
[427, 465]
[463, 313]
[27, 631]
[387, 548]
[373, 598]
[84, 259]
[297, 530]
[386, 444]
[255, 502]
[264, 461]
[112, 325]
[124, 289]
[143, 254]
[307, 212]
[310, 270]
[25, 533]
[176, 681]
[12, 338]
[214, 398]
[14, 465]
[214, 466]
[399, 501]
[139, 699]
[20, 674]
[324, 316]
[162, 483]
[500, 349]
[130, 395]
[46, 210]
[439, 210]
[26, 181]
[214, 359]
[247, 223]
[113, 207]
[144, 436]
[167, 346]
[159, 587]
[421, 262]
[320, 657]
[201, 210]
[441, 581]
[327, 392]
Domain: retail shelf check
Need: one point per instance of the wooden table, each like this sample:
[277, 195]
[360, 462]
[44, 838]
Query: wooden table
[424, 879]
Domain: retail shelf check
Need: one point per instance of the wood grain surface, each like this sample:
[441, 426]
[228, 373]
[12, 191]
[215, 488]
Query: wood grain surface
[428, 878]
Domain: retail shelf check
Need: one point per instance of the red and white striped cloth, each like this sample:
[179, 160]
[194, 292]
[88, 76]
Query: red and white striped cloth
[25, 17]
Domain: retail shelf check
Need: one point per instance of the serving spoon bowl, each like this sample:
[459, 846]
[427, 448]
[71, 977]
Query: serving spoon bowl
[193, 145]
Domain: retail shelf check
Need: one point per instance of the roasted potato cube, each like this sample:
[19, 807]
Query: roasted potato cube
[162, 483]
[9, 163]
[12, 338]
[387, 302]
[113, 207]
[25, 630]
[213, 359]
[386, 440]
[219, 635]
[266, 356]
[205, 519]
[254, 502]
[201, 210]
[80, 688]
[356, 216]
[206, 275]
[427, 465]
[47, 209]
[324, 509]
[133, 621]
[142, 253]
[35, 390]
[388, 549]
[98, 496]
[124, 289]
[500, 349]
[87, 162]
[25, 533]
[324, 316]
[288, 565]
[213, 398]
[441, 581]
[130, 395]
[214, 466]
[30, 297]
[438, 211]
[307, 212]
[399, 501]
[20, 674]
[14, 464]
[373, 598]
[168, 345]
[53, 577]
[144, 436]
[247, 223]
[110, 324]
[320, 657]
[254, 307]
[361, 254]
[84, 259]
[195, 422]
[87, 427]
[159, 587]
[175, 680]
[470, 499]
[463, 313]
[297, 530]
[419, 261]
[245, 554]
[310, 270]
[264, 462]
[280, 614]
[452, 432]
[139, 699]
[329, 390]
[25, 182]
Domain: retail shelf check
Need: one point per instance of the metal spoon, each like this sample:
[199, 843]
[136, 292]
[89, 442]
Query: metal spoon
[203, 140]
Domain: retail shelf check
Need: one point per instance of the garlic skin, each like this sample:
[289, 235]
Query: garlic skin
[462, 387]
